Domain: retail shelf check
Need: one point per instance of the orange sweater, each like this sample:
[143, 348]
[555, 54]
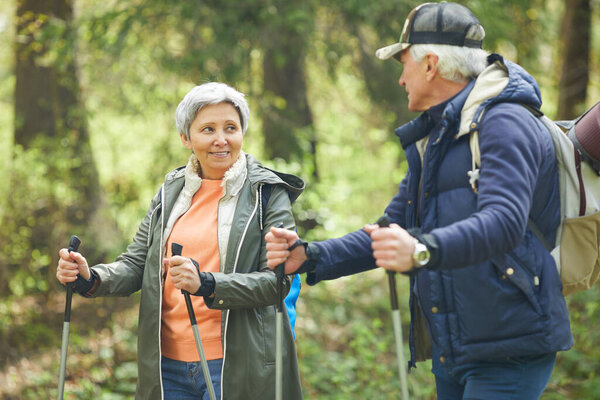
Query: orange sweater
[196, 231]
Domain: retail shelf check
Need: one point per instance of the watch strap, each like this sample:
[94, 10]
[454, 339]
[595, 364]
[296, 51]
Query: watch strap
[312, 254]
[207, 281]
[430, 241]
[421, 255]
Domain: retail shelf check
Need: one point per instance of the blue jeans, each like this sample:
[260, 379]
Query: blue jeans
[512, 378]
[185, 380]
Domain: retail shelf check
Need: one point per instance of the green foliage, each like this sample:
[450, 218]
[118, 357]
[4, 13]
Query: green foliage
[347, 350]
[36, 200]
[576, 374]
[138, 59]
[101, 354]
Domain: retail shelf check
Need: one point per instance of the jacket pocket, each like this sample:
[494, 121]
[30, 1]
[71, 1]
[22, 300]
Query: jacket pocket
[267, 324]
[492, 303]
[520, 276]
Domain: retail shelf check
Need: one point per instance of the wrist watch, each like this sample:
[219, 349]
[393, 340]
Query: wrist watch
[421, 255]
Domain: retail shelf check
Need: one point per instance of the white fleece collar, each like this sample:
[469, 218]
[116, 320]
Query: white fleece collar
[490, 83]
[232, 181]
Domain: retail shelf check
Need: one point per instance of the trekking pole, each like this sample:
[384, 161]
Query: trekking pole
[176, 251]
[73, 246]
[280, 273]
[384, 222]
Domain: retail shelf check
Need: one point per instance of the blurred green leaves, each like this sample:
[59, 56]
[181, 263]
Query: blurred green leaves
[137, 59]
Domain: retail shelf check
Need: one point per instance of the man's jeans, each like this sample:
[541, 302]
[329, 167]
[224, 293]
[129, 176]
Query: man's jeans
[185, 380]
[514, 378]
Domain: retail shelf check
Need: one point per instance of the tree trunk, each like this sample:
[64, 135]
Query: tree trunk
[287, 119]
[575, 57]
[51, 140]
[381, 82]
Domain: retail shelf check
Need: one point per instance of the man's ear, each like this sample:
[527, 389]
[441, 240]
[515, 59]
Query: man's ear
[431, 61]
[186, 142]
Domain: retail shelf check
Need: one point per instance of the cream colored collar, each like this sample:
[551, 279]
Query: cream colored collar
[490, 83]
[232, 181]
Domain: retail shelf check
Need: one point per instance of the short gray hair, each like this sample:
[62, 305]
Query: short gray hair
[206, 94]
[455, 63]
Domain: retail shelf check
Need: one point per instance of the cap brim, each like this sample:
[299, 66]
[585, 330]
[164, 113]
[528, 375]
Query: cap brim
[388, 52]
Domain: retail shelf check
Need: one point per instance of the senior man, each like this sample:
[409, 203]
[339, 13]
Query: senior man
[485, 295]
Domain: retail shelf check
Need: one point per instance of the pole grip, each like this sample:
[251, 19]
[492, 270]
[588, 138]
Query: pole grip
[176, 250]
[280, 273]
[384, 222]
[393, 293]
[190, 308]
[74, 243]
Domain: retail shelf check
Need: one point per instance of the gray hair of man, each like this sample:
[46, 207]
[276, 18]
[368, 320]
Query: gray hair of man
[455, 63]
[207, 94]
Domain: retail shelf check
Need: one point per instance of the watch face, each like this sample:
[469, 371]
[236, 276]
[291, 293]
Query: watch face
[421, 255]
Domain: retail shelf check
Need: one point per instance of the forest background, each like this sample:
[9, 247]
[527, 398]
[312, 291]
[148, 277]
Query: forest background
[87, 95]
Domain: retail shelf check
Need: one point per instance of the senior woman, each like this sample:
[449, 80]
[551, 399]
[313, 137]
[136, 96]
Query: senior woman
[213, 208]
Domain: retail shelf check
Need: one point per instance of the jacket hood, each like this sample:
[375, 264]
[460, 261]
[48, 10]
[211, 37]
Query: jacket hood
[502, 81]
[257, 173]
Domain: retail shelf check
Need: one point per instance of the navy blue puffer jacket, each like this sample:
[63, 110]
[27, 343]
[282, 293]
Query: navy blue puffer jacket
[494, 290]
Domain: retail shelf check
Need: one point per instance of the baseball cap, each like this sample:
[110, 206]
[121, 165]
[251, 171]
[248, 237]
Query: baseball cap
[437, 23]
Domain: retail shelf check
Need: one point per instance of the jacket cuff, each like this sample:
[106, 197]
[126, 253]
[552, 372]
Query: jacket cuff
[313, 255]
[207, 285]
[431, 243]
[207, 282]
[87, 287]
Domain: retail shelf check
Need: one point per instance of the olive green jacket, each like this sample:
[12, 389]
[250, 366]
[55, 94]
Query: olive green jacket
[245, 289]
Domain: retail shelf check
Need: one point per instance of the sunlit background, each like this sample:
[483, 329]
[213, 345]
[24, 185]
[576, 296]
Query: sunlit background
[87, 95]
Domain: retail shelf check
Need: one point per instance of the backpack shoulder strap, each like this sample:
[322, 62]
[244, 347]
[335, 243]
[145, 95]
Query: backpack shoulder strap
[476, 152]
[539, 235]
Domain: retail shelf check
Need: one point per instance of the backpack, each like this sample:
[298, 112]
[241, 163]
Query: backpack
[577, 247]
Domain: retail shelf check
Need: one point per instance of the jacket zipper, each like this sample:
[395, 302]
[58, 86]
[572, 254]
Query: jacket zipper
[237, 256]
[150, 227]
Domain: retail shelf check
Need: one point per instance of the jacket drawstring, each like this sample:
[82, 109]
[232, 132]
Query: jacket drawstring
[260, 216]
